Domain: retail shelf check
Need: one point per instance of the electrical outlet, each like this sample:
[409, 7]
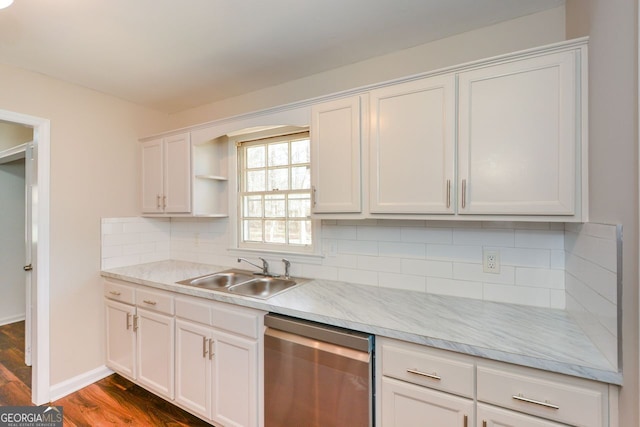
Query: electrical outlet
[491, 261]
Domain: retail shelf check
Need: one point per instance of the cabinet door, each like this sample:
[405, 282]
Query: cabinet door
[177, 174]
[193, 368]
[152, 176]
[409, 405]
[412, 147]
[235, 380]
[336, 156]
[517, 137]
[155, 344]
[121, 338]
[491, 416]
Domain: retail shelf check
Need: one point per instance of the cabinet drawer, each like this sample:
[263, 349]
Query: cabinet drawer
[437, 369]
[556, 397]
[490, 416]
[155, 300]
[119, 292]
[237, 319]
[194, 309]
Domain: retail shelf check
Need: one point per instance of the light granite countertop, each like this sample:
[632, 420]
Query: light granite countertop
[540, 338]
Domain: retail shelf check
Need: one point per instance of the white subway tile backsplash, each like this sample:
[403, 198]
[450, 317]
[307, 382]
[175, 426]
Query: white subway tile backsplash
[378, 263]
[357, 247]
[427, 268]
[339, 232]
[597, 278]
[536, 297]
[558, 299]
[459, 253]
[377, 233]
[402, 281]
[427, 235]
[455, 288]
[318, 272]
[524, 257]
[597, 250]
[540, 239]
[540, 278]
[557, 259]
[474, 272]
[362, 277]
[483, 237]
[402, 250]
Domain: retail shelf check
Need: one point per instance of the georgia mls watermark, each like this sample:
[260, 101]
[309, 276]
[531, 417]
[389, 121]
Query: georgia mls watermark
[30, 416]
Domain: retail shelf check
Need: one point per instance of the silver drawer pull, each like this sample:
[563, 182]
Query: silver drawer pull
[433, 376]
[546, 404]
[114, 293]
[146, 301]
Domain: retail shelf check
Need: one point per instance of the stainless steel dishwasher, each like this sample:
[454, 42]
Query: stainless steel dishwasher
[316, 375]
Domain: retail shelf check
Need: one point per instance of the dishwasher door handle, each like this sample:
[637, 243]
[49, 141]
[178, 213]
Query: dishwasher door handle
[277, 334]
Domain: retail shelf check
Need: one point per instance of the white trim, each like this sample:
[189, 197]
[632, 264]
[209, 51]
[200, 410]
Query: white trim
[74, 384]
[12, 319]
[40, 315]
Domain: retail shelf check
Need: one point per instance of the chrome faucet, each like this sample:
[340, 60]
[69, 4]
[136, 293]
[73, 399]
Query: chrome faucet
[287, 265]
[264, 268]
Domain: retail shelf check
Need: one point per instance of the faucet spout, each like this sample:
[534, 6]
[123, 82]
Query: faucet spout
[264, 268]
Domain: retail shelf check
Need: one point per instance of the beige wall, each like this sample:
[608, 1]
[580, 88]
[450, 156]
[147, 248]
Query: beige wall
[613, 153]
[522, 33]
[93, 174]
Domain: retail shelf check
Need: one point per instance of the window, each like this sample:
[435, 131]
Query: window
[275, 194]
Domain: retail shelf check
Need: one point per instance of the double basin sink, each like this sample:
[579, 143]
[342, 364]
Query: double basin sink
[243, 283]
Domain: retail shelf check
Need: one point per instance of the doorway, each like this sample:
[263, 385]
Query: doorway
[36, 155]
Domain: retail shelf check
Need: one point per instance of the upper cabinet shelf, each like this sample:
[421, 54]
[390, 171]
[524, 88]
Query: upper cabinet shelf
[503, 139]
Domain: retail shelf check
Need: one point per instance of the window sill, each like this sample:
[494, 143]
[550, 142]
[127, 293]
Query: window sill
[311, 258]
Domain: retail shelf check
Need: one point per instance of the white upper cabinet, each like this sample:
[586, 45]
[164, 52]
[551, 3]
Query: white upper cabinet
[336, 152]
[519, 143]
[166, 175]
[412, 147]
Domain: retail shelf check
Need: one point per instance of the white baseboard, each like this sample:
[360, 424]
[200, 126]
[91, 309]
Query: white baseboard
[12, 319]
[71, 385]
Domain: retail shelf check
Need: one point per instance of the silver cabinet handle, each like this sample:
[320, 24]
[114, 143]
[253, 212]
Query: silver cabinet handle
[448, 193]
[204, 347]
[128, 321]
[210, 349]
[28, 267]
[315, 195]
[115, 293]
[433, 376]
[546, 404]
[164, 202]
[158, 201]
[135, 323]
[465, 421]
[147, 301]
[464, 193]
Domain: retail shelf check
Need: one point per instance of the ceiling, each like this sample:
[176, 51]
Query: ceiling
[172, 55]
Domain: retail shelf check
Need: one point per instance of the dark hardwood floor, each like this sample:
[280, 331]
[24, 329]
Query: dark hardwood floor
[113, 401]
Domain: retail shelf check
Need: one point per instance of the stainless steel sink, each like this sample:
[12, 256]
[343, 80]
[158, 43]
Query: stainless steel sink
[241, 282]
[223, 279]
[263, 287]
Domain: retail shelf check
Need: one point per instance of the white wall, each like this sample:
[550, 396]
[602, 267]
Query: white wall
[12, 242]
[613, 153]
[521, 33]
[94, 173]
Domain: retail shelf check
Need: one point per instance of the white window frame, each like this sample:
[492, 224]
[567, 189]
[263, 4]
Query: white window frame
[238, 142]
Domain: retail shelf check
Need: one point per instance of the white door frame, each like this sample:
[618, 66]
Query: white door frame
[40, 386]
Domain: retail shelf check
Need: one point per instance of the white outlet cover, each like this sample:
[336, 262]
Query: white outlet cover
[491, 261]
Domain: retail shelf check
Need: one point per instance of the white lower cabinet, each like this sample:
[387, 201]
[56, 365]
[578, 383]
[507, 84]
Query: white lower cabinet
[423, 386]
[203, 355]
[490, 416]
[408, 405]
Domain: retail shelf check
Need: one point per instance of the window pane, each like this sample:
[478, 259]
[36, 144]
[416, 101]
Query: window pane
[255, 180]
[300, 232]
[278, 179]
[274, 231]
[274, 206]
[279, 154]
[252, 231]
[300, 151]
[299, 205]
[253, 206]
[300, 178]
[255, 156]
